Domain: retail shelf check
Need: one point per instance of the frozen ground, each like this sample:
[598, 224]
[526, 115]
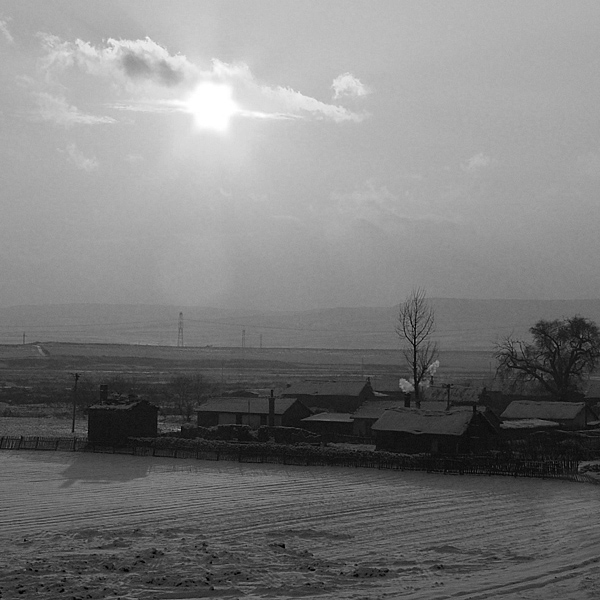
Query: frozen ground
[50, 426]
[78, 525]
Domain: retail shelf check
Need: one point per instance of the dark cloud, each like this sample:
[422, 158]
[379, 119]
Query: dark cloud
[147, 66]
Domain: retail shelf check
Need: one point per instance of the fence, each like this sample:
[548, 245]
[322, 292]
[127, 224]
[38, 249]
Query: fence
[42, 443]
[315, 456]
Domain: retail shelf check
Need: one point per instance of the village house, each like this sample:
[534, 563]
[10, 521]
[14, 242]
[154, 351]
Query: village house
[335, 396]
[368, 413]
[284, 412]
[388, 388]
[114, 422]
[329, 425]
[454, 431]
[568, 415]
[520, 429]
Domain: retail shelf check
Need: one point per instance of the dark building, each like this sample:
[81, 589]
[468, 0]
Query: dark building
[387, 387]
[329, 425]
[335, 396]
[455, 431]
[286, 412]
[369, 412]
[498, 401]
[569, 415]
[115, 422]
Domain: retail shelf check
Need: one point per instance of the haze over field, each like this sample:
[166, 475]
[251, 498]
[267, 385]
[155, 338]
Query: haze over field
[460, 324]
[284, 155]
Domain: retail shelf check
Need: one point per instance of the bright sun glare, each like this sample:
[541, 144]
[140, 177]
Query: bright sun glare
[212, 106]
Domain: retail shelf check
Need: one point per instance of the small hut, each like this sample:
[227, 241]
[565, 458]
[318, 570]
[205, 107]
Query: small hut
[569, 415]
[113, 423]
[329, 425]
[455, 431]
[333, 396]
[255, 412]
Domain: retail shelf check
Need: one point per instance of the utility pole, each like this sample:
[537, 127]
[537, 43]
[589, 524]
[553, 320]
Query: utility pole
[24, 338]
[180, 331]
[76, 377]
[448, 386]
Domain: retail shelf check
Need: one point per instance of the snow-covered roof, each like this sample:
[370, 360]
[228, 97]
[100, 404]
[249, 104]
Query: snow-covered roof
[330, 418]
[122, 405]
[528, 424]
[550, 411]
[452, 422]
[373, 409]
[246, 405]
[326, 388]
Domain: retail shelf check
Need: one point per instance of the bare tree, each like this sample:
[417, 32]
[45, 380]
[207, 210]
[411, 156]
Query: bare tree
[415, 326]
[563, 352]
[186, 392]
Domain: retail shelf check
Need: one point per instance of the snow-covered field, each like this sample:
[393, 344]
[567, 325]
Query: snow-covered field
[78, 525]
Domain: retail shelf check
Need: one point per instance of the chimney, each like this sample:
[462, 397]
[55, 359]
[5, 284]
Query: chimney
[406, 400]
[271, 410]
[104, 393]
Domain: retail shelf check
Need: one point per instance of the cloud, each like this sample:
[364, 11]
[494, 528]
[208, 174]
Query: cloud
[139, 63]
[5, 32]
[346, 85]
[382, 209]
[132, 60]
[56, 110]
[134, 159]
[295, 104]
[77, 158]
[477, 163]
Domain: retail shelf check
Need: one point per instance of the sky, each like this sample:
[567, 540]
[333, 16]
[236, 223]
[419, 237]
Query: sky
[287, 155]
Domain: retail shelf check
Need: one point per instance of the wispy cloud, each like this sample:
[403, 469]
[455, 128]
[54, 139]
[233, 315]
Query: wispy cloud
[133, 60]
[294, 103]
[6, 34]
[138, 64]
[79, 160]
[346, 85]
[134, 159]
[56, 110]
[477, 163]
[382, 208]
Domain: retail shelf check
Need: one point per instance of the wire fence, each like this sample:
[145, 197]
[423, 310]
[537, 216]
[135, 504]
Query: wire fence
[315, 456]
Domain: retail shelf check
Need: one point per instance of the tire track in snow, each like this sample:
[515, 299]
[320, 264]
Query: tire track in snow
[482, 538]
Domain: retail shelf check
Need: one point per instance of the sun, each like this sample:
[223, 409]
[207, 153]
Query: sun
[212, 106]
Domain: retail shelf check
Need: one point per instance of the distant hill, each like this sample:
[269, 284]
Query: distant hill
[461, 324]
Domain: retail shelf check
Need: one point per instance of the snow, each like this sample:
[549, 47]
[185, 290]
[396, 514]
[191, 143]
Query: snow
[111, 526]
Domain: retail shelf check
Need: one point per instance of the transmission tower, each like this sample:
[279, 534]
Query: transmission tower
[180, 331]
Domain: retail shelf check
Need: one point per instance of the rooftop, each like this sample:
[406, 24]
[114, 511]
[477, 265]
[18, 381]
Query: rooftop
[126, 405]
[407, 420]
[373, 409]
[550, 411]
[528, 424]
[330, 418]
[246, 405]
[326, 388]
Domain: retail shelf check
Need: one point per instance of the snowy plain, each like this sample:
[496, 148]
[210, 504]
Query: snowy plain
[80, 525]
